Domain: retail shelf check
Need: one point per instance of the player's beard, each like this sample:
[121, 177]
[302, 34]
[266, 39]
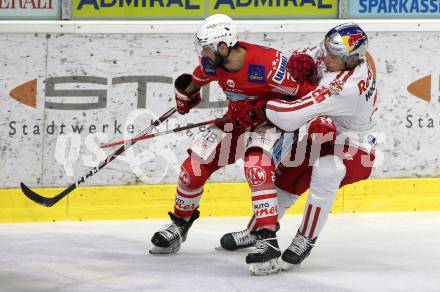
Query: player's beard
[219, 61]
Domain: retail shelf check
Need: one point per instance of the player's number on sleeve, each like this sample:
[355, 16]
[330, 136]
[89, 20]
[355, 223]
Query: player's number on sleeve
[321, 94]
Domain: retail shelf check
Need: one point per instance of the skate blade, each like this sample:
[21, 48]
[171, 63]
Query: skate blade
[220, 248]
[157, 250]
[285, 266]
[266, 268]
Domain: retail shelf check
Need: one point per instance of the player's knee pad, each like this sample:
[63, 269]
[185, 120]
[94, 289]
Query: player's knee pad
[327, 174]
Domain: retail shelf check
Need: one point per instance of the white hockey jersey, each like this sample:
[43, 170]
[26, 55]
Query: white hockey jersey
[348, 97]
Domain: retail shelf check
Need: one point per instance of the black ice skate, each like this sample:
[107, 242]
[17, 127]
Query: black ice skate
[264, 259]
[168, 239]
[298, 250]
[238, 240]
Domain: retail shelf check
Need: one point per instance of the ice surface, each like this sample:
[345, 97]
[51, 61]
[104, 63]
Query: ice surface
[369, 252]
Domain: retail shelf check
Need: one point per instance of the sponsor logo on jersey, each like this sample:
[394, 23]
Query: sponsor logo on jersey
[255, 175]
[230, 83]
[256, 73]
[368, 85]
[235, 96]
[281, 71]
[208, 68]
[336, 86]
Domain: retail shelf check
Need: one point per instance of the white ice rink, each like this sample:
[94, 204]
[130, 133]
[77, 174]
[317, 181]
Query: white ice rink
[372, 252]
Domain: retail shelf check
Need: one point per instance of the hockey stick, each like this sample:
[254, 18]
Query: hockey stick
[150, 136]
[49, 202]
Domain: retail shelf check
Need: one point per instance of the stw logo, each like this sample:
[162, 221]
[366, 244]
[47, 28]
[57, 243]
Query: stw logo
[423, 88]
[26, 93]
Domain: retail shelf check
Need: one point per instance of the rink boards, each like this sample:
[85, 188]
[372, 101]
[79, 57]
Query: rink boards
[219, 199]
[77, 80]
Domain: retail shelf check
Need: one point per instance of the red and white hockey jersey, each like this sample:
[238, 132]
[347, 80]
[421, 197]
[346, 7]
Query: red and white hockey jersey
[348, 97]
[263, 72]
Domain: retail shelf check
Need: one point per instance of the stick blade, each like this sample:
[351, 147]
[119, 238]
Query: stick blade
[46, 202]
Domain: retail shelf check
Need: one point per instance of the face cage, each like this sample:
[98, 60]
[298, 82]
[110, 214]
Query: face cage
[323, 47]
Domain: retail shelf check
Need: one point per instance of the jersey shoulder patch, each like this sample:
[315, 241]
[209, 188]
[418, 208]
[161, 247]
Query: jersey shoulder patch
[280, 73]
[338, 84]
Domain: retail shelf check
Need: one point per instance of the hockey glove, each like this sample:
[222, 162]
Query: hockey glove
[246, 114]
[302, 67]
[184, 101]
[322, 129]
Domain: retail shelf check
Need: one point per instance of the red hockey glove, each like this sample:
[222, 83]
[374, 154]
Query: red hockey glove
[302, 67]
[244, 114]
[322, 129]
[184, 101]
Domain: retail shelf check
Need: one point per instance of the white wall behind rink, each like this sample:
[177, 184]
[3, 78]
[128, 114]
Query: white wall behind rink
[404, 51]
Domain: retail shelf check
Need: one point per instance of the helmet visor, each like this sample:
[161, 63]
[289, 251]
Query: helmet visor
[203, 50]
[328, 50]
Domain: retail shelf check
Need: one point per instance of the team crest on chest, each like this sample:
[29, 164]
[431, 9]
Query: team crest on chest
[256, 73]
[336, 86]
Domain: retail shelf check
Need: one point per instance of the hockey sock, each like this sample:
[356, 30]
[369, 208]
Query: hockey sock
[259, 171]
[285, 201]
[190, 187]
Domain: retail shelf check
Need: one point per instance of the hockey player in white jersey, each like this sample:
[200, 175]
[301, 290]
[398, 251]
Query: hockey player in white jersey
[339, 117]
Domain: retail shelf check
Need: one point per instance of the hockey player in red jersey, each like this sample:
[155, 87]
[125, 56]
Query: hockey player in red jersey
[248, 74]
[339, 117]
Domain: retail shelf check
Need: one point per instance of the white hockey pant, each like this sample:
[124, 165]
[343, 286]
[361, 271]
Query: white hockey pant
[327, 175]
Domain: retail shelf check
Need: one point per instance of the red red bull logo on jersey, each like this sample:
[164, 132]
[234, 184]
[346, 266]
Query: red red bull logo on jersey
[336, 86]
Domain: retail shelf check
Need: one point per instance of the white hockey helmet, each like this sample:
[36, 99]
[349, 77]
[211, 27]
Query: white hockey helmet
[215, 29]
[346, 40]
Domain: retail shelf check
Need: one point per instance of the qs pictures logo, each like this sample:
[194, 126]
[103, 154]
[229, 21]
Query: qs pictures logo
[426, 88]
